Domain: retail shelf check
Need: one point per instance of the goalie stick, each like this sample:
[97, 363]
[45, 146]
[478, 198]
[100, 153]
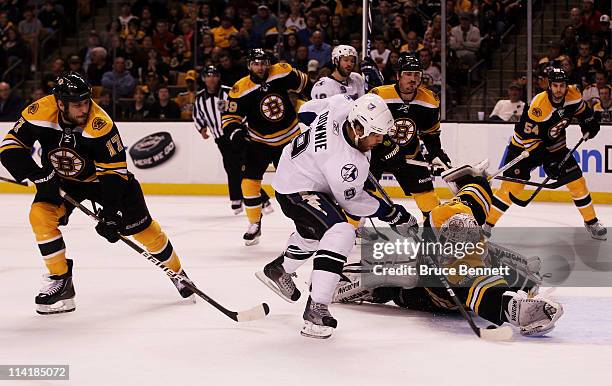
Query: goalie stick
[492, 334]
[569, 154]
[254, 313]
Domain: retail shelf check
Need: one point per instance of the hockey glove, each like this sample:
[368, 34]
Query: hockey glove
[392, 156]
[552, 170]
[398, 216]
[439, 160]
[239, 138]
[108, 226]
[47, 186]
[591, 126]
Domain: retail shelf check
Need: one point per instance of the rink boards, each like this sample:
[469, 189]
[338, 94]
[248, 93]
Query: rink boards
[189, 165]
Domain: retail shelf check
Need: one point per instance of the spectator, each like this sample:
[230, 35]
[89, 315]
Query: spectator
[432, 77]
[30, 30]
[146, 21]
[49, 17]
[139, 110]
[151, 85]
[162, 39]
[295, 19]
[156, 65]
[186, 28]
[164, 108]
[13, 48]
[391, 68]
[412, 45]
[313, 71]
[119, 81]
[608, 66]
[600, 40]
[291, 45]
[352, 17]
[324, 23]
[382, 17]
[106, 104]
[552, 57]
[398, 32]
[36, 95]
[604, 106]
[5, 25]
[93, 41]
[414, 22]
[452, 15]
[509, 110]
[223, 32]
[587, 64]
[230, 71]
[248, 37]
[380, 49]
[338, 33]
[263, 20]
[134, 57]
[186, 99]
[319, 50]
[206, 47]
[10, 104]
[582, 31]
[590, 16]
[591, 92]
[125, 16]
[305, 33]
[235, 50]
[180, 58]
[301, 59]
[569, 44]
[206, 20]
[98, 66]
[567, 65]
[74, 64]
[355, 41]
[465, 40]
[135, 30]
[48, 79]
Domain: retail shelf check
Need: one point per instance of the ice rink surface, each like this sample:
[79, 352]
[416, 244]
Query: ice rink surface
[131, 328]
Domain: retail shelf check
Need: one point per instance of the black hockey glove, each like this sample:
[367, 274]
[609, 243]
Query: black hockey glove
[108, 226]
[239, 138]
[442, 162]
[47, 186]
[392, 156]
[591, 126]
[398, 216]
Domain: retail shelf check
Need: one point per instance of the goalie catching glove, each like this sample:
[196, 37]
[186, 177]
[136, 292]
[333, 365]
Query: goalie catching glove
[533, 315]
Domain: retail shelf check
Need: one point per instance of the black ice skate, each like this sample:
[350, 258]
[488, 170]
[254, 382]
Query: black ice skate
[182, 289]
[57, 296]
[237, 207]
[251, 237]
[266, 208]
[279, 281]
[597, 230]
[318, 322]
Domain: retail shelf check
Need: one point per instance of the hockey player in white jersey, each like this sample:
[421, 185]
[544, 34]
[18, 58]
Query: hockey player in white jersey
[343, 80]
[320, 174]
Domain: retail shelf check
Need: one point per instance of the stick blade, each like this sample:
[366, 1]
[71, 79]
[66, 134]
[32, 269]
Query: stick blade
[518, 201]
[496, 334]
[255, 313]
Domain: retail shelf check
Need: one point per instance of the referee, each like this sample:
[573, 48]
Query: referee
[210, 102]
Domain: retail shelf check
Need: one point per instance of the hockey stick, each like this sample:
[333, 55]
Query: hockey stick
[510, 164]
[13, 181]
[526, 202]
[254, 313]
[552, 185]
[379, 233]
[493, 334]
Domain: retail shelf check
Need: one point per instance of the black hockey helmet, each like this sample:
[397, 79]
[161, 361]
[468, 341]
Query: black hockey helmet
[71, 87]
[408, 62]
[557, 75]
[257, 54]
[209, 70]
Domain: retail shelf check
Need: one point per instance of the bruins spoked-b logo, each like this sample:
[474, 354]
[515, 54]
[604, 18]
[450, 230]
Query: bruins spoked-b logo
[66, 162]
[272, 107]
[33, 108]
[402, 131]
[98, 123]
[349, 173]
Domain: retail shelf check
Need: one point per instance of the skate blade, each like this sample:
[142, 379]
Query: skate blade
[238, 211]
[267, 210]
[60, 307]
[255, 241]
[270, 284]
[311, 330]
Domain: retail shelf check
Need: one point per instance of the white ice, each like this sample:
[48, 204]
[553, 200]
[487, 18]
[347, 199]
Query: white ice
[131, 328]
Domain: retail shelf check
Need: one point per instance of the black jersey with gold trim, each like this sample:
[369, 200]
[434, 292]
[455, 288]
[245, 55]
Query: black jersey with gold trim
[413, 120]
[82, 154]
[266, 107]
[542, 125]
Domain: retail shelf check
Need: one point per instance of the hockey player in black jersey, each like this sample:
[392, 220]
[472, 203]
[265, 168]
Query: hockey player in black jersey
[82, 154]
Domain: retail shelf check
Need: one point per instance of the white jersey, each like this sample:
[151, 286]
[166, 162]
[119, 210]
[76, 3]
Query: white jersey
[322, 160]
[354, 86]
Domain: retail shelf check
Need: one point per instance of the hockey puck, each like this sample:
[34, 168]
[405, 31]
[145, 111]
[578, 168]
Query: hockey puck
[152, 150]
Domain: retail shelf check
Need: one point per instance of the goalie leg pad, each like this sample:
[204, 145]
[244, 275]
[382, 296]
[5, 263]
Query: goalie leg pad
[534, 316]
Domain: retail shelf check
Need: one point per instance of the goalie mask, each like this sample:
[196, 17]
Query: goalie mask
[460, 228]
[372, 113]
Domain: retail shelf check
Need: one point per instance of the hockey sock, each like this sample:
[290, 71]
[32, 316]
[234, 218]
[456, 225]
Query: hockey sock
[354, 221]
[251, 191]
[501, 200]
[582, 199]
[157, 243]
[484, 297]
[298, 251]
[426, 201]
[44, 219]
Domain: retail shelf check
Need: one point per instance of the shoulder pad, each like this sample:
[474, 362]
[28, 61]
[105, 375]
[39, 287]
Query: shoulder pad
[386, 92]
[573, 95]
[98, 124]
[426, 98]
[540, 108]
[42, 112]
[279, 70]
[242, 87]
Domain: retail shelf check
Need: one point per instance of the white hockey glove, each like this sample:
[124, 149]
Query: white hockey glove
[534, 316]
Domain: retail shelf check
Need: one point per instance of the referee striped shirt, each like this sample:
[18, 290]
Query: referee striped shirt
[207, 110]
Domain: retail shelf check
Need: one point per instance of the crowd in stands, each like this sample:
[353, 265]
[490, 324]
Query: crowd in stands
[147, 59]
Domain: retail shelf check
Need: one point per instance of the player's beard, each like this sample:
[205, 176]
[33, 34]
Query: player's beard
[344, 73]
[71, 119]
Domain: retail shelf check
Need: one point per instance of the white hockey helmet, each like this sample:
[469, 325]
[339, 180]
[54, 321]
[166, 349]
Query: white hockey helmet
[372, 113]
[343, 50]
